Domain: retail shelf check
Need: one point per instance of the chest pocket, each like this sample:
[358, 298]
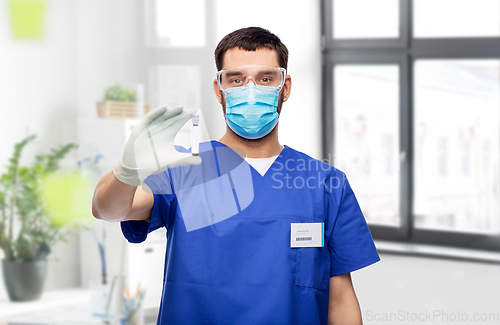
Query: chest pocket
[312, 267]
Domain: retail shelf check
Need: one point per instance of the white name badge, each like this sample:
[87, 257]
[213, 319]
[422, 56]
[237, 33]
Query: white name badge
[307, 235]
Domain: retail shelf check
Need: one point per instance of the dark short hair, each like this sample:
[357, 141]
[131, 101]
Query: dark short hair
[251, 39]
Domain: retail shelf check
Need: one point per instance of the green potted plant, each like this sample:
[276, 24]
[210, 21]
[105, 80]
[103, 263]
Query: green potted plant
[26, 231]
[119, 102]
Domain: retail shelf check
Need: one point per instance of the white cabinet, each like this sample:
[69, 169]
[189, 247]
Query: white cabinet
[145, 265]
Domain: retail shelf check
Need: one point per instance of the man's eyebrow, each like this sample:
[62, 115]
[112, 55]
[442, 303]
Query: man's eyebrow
[269, 71]
[233, 73]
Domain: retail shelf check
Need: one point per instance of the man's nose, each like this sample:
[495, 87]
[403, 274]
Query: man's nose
[248, 79]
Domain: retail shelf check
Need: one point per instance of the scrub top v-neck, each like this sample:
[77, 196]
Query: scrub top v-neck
[239, 268]
[261, 165]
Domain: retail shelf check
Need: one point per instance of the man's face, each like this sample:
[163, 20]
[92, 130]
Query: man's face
[236, 57]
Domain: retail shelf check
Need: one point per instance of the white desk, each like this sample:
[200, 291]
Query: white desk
[63, 307]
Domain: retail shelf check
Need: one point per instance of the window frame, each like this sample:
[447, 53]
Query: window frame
[403, 52]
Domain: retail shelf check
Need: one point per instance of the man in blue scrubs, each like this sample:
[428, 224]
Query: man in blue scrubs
[265, 237]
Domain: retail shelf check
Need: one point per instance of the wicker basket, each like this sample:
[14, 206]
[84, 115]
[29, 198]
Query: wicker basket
[111, 109]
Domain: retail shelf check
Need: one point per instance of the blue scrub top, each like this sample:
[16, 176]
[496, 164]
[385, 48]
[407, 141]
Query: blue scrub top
[241, 269]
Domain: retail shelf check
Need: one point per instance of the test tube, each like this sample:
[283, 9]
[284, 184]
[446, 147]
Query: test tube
[195, 140]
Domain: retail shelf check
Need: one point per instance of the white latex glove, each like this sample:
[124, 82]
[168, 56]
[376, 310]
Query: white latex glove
[150, 147]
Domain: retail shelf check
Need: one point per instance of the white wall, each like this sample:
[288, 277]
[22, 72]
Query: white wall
[107, 41]
[38, 95]
[38, 83]
[107, 53]
[414, 286]
[47, 85]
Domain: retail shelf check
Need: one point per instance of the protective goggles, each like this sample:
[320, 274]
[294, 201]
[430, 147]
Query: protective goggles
[261, 75]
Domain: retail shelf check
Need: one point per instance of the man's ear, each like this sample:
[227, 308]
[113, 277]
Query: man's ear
[217, 91]
[287, 88]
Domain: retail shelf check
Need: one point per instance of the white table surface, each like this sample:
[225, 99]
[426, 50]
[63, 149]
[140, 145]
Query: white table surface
[62, 307]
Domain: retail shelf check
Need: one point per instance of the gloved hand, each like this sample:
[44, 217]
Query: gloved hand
[150, 147]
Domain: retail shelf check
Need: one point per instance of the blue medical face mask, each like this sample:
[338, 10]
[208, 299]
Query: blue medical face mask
[251, 111]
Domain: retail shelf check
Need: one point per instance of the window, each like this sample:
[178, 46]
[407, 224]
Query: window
[442, 157]
[412, 115]
[376, 19]
[459, 101]
[365, 123]
[456, 18]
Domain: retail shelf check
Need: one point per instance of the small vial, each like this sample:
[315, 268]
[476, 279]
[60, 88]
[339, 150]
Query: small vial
[195, 140]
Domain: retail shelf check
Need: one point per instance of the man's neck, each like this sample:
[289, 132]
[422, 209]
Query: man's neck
[265, 147]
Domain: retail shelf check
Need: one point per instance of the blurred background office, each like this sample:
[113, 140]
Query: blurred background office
[402, 95]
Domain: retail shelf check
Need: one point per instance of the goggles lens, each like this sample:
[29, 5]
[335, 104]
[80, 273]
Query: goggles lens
[260, 75]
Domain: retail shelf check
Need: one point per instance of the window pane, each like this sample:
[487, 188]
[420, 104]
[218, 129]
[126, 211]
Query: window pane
[366, 123]
[365, 19]
[180, 23]
[456, 18]
[456, 145]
